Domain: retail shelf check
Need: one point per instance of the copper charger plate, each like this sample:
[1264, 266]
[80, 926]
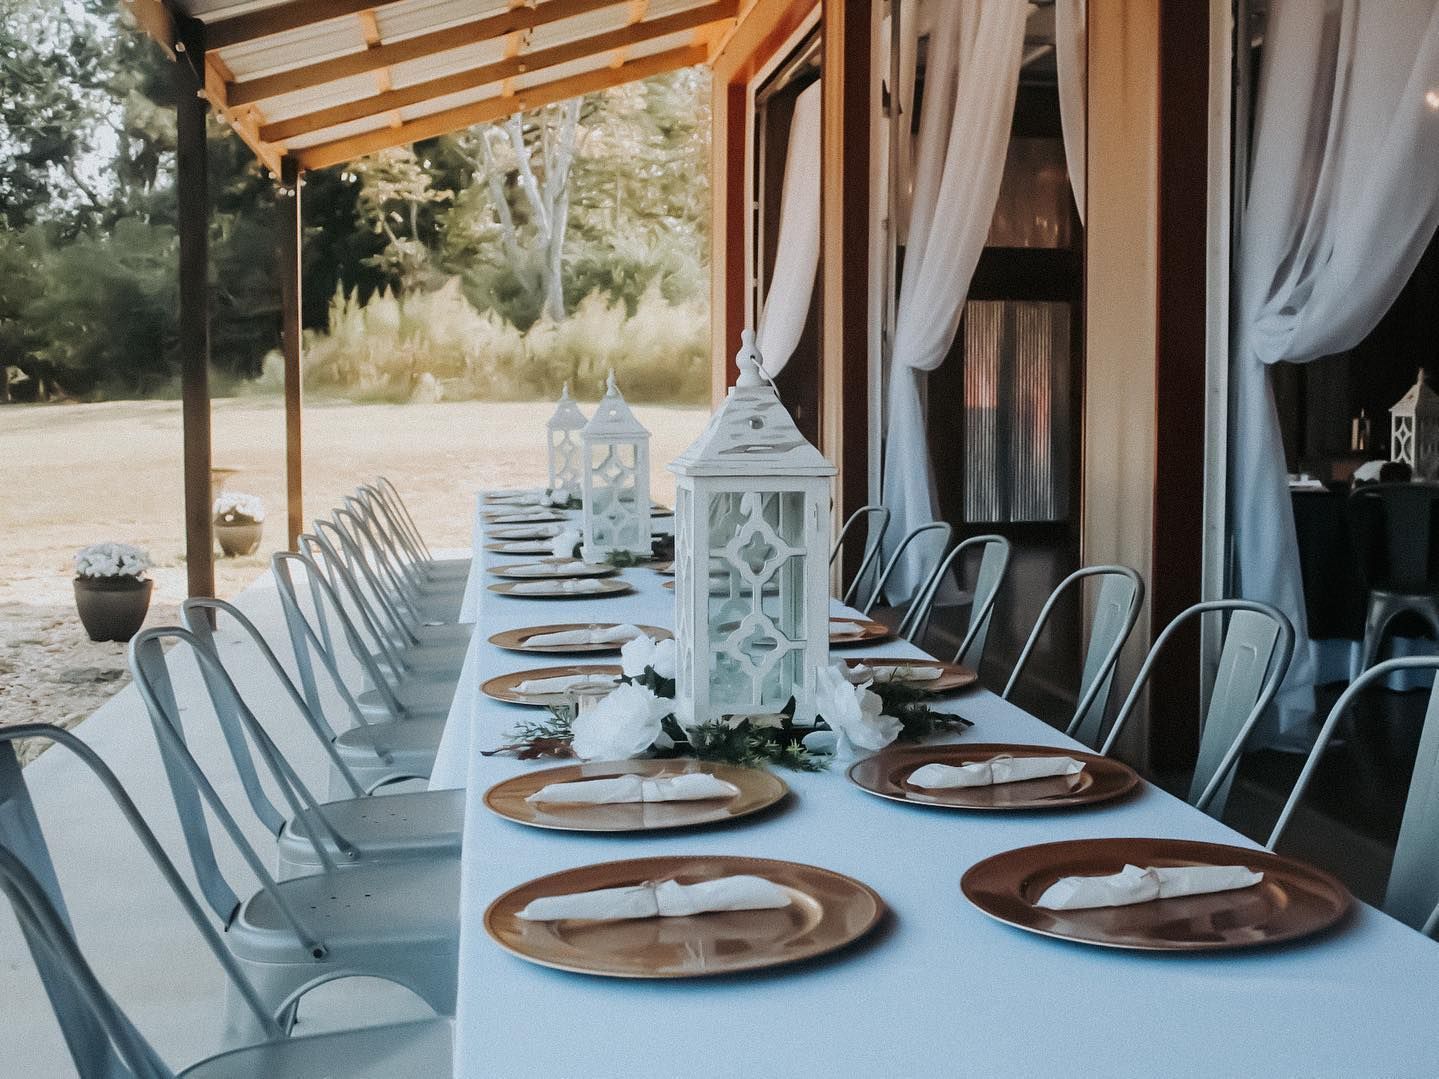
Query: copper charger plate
[827, 911]
[607, 587]
[1293, 900]
[524, 517]
[868, 631]
[758, 789]
[954, 676]
[664, 569]
[887, 775]
[546, 570]
[535, 546]
[524, 532]
[513, 640]
[502, 687]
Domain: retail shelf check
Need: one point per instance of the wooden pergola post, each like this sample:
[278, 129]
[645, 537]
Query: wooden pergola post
[291, 292]
[193, 224]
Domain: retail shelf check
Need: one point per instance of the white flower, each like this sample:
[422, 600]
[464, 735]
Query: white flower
[565, 543]
[854, 713]
[111, 560]
[641, 653]
[623, 724]
[237, 508]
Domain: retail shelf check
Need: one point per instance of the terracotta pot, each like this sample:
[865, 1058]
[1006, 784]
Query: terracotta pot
[239, 539]
[112, 608]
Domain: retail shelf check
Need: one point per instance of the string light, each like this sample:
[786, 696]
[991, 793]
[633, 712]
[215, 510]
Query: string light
[1432, 99]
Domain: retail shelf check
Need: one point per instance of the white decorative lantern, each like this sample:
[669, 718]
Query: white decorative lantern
[1414, 430]
[615, 450]
[563, 434]
[752, 546]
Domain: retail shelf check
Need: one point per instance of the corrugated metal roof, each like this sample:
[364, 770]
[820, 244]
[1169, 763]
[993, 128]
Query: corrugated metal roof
[323, 80]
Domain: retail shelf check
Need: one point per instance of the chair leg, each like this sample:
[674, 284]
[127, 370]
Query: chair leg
[1376, 621]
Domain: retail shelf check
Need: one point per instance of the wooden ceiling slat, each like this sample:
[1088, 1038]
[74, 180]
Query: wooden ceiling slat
[414, 48]
[495, 108]
[717, 12]
[239, 29]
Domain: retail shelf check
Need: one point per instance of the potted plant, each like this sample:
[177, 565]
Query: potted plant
[239, 523]
[112, 592]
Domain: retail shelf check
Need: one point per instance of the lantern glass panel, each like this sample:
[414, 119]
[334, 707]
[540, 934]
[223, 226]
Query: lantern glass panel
[616, 520]
[564, 459]
[756, 553]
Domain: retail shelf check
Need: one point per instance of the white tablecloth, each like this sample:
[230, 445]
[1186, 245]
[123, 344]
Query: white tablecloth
[940, 989]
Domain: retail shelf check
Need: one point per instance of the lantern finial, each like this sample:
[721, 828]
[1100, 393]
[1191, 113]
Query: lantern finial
[610, 386]
[748, 361]
[565, 391]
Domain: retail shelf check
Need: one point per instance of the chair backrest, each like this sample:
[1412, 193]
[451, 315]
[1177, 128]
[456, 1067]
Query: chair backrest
[1258, 645]
[1395, 526]
[192, 790]
[876, 522]
[390, 494]
[988, 576]
[1414, 876]
[1116, 610]
[102, 1041]
[936, 536]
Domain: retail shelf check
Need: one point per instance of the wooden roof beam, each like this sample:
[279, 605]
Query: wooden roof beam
[511, 21]
[244, 121]
[498, 107]
[716, 13]
[155, 19]
[278, 18]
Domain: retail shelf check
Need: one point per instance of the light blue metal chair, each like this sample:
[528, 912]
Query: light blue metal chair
[101, 1038]
[397, 921]
[425, 574]
[1414, 876]
[873, 538]
[1116, 610]
[1258, 645]
[988, 576]
[935, 536]
[431, 603]
[389, 503]
[354, 830]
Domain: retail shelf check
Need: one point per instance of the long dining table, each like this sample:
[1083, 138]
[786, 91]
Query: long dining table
[939, 989]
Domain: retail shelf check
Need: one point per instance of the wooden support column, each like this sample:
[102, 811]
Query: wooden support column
[848, 29]
[291, 292]
[193, 224]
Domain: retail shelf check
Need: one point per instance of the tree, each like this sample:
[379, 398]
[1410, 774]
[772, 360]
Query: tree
[396, 193]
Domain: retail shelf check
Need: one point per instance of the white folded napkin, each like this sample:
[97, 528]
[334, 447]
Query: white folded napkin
[525, 547]
[598, 635]
[561, 683]
[689, 787]
[558, 569]
[990, 772]
[530, 532]
[522, 499]
[549, 587]
[845, 629]
[885, 672]
[1135, 885]
[516, 518]
[668, 899]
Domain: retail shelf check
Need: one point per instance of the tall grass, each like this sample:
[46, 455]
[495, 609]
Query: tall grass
[381, 351]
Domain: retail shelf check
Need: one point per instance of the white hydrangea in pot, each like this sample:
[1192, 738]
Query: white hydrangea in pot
[239, 523]
[112, 592]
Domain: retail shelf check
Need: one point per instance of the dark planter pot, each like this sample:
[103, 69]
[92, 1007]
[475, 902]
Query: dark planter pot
[239, 539]
[112, 608]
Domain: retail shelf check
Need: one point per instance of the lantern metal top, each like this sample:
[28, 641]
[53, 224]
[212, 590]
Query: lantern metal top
[751, 434]
[1419, 400]
[613, 418]
[568, 416]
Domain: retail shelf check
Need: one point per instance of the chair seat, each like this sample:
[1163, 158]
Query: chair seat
[402, 737]
[401, 904]
[441, 656]
[421, 693]
[445, 634]
[421, 1048]
[397, 826]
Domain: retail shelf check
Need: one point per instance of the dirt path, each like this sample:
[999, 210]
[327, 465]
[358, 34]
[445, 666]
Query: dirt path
[78, 474]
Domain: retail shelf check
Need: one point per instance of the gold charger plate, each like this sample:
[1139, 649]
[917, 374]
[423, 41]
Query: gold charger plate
[502, 686]
[758, 789]
[1293, 900]
[954, 676]
[887, 775]
[664, 569]
[868, 631]
[827, 911]
[608, 586]
[523, 517]
[535, 546]
[513, 640]
[547, 569]
[524, 532]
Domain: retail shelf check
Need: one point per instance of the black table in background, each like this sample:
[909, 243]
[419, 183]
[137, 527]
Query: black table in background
[1334, 592]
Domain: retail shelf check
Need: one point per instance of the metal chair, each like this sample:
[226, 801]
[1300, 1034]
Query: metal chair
[1116, 610]
[1414, 876]
[397, 921]
[402, 733]
[935, 530]
[392, 505]
[988, 576]
[1258, 645]
[101, 1038]
[874, 537]
[434, 601]
[354, 830]
[1396, 537]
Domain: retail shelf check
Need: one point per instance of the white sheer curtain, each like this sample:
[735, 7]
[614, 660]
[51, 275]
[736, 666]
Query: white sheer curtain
[796, 260]
[970, 81]
[1071, 60]
[1343, 197]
